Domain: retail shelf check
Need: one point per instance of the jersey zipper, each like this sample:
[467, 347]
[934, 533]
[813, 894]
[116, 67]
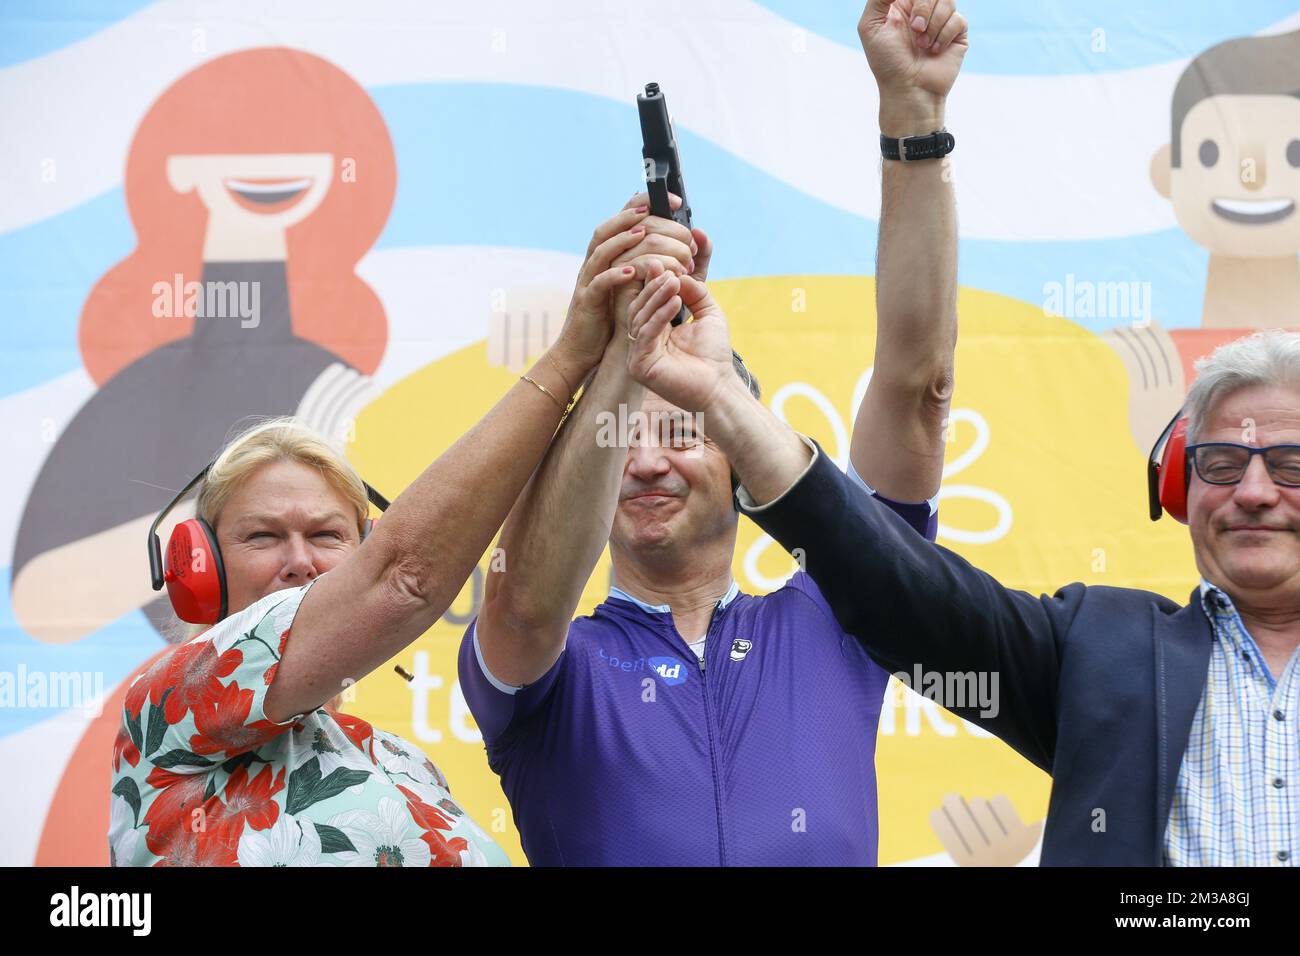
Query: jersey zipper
[708, 721]
[713, 752]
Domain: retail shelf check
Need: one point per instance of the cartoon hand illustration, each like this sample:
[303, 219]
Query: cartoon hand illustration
[528, 325]
[333, 402]
[1155, 371]
[983, 832]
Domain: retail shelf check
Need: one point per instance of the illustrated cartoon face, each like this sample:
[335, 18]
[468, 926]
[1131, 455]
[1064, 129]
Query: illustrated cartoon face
[1237, 185]
[260, 191]
[739, 648]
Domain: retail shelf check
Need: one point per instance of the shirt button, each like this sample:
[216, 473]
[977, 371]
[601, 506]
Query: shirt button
[1278, 715]
[1283, 856]
[1279, 783]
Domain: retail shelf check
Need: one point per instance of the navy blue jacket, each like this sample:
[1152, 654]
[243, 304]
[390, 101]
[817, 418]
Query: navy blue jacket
[1098, 685]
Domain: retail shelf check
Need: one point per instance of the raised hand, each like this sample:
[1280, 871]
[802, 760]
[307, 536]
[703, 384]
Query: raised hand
[670, 242]
[1155, 373]
[915, 49]
[983, 832]
[688, 364]
[619, 255]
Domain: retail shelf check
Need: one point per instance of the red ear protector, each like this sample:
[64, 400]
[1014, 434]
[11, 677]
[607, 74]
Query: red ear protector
[1167, 474]
[194, 572]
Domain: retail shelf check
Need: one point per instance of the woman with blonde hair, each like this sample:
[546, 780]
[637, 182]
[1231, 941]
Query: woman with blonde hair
[221, 760]
[228, 754]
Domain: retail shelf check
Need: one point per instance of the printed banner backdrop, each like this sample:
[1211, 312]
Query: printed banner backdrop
[410, 186]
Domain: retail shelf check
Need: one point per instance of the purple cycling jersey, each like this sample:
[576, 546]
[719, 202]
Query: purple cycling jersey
[630, 752]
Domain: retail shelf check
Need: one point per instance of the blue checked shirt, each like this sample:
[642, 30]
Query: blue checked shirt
[1237, 801]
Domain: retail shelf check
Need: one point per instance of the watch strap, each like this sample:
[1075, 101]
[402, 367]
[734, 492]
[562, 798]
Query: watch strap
[911, 148]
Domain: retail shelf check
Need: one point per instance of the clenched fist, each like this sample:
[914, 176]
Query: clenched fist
[914, 49]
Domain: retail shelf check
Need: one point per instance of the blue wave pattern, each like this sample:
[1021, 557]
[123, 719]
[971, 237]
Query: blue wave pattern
[1016, 37]
[462, 181]
[1025, 38]
[110, 655]
[33, 28]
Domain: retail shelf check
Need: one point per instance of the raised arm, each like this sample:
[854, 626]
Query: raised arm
[558, 528]
[408, 571]
[905, 599]
[905, 409]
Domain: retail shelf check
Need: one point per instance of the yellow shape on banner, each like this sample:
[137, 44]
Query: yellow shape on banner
[1043, 486]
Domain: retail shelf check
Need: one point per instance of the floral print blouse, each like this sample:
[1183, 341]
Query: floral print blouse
[202, 778]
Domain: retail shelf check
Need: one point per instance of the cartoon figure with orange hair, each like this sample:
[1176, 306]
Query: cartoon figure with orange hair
[255, 183]
[1232, 172]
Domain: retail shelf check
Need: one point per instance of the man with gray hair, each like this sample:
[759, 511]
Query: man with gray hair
[1234, 800]
[1172, 734]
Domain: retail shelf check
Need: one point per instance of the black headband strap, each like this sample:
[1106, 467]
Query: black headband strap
[155, 546]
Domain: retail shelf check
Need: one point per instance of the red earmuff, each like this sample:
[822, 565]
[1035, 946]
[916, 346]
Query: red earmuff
[1167, 474]
[194, 573]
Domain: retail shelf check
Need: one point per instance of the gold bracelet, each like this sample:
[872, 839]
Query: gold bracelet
[565, 417]
[558, 372]
[544, 390]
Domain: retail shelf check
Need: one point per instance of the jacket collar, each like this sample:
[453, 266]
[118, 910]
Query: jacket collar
[1182, 659]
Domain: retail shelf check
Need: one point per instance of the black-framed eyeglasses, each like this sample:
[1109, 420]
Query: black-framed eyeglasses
[1225, 463]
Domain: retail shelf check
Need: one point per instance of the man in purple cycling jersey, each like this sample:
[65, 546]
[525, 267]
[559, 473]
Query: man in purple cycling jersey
[684, 722]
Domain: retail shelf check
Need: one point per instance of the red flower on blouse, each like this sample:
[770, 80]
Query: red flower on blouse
[251, 802]
[192, 673]
[155, 680]
[178, 809]
[189, 848]
[196, 682]
[269, 675]
[124, 746]
[357, 730]
[442, 852]
[223, 726]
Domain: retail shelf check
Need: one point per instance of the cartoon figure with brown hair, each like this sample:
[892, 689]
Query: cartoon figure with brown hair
[255, 183]
[1231, 170]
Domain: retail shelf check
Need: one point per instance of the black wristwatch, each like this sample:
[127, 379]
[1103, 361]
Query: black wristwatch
[911, 148]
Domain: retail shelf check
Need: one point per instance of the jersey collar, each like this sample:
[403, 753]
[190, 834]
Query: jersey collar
[621, 595]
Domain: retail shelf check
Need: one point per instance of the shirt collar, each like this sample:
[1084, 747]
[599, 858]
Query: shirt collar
[1228, 626]
[1214, 599]
[620, 594]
